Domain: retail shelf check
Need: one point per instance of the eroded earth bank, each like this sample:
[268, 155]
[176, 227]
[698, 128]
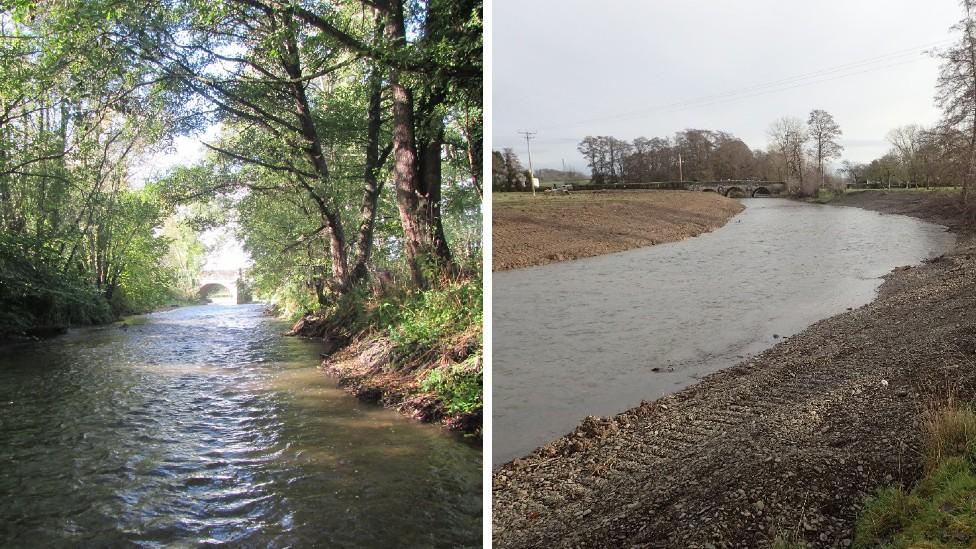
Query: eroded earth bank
[787, 444]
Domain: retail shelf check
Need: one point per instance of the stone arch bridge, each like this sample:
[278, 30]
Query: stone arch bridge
[212, 281]
[740, 188]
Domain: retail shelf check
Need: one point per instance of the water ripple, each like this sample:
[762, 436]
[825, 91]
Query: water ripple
[182, 430]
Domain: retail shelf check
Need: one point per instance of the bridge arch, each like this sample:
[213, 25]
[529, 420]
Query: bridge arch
[761, 191]
[733, 191]
[708, 190]
[211, 288]
[211, 281]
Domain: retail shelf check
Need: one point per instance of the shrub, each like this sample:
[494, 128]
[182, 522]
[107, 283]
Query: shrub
[459, 386]
[435, 315]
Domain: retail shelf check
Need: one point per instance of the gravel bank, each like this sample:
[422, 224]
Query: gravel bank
[786, 444]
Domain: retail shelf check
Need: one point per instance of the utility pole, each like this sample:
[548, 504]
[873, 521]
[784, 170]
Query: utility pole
[529, 136]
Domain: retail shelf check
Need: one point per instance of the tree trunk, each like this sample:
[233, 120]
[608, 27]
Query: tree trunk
[421, 229]
[364, 242]
[430, 180]
[291, 63]
[475, 146]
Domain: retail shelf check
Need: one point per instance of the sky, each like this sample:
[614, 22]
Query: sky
[224, 251]
[570, 68]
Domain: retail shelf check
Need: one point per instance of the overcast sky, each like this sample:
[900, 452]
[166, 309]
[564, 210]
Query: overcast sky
[571, 68]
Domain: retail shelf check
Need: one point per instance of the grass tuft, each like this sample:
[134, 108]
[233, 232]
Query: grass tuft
[948, 432]
[940, 510]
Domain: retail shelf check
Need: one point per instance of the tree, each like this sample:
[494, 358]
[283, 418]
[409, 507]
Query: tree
[273, 70]
[823, 132]
[732, 158]
[884, 169]
[695, 148]
[787, 136]
[313, 101]
[956, 92]
[513, 172]
[855, 171]
[908, 143]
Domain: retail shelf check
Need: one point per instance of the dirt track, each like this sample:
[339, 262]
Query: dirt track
[787, 444]
[529, 230]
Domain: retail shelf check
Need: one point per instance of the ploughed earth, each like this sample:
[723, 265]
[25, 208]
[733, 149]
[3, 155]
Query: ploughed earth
[787, 444]
[537, 230]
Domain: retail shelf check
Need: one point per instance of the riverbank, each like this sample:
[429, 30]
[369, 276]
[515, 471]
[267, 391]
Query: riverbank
[935, 206]
[419, 353]
[40, 332]
[787, 444]
[546, 228]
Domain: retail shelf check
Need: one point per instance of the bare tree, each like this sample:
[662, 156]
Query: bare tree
[823, 131]
[885, 169]
[907, 142]
[605, 157]
[956, 91]
[787, 136]
[854, 170]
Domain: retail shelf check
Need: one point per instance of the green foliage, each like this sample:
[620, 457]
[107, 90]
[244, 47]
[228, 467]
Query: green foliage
[34, 293]
[80, 242]
[435, 315]
[459, 386]
[940, 510]
[185, 256]
[87, 87]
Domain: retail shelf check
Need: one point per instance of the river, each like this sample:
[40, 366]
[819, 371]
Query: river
[203, 425]
[596, 336]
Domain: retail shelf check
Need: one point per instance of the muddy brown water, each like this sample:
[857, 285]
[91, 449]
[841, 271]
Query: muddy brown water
[204, 426]
[597, 336]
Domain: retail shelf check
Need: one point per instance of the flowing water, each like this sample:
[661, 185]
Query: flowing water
[596, 336]
[202, 425]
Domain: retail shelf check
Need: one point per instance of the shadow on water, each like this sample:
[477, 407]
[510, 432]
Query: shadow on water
[203, 425]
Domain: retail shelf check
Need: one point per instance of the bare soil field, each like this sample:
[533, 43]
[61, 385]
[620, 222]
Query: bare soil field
[529, 230]
[785, 445]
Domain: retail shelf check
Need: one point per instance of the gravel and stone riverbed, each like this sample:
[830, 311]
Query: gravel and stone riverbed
[787, 444]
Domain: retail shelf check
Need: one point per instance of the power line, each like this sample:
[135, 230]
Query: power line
[809, 78]
[799, 85]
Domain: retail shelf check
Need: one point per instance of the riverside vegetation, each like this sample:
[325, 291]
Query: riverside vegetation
[940, 510]
[343, 150]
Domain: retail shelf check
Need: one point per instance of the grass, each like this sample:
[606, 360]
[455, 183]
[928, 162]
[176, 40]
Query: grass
[432, 326]
[824, 196]
[940, 510]
[549, 200]
[432, 316]
[459, 386]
